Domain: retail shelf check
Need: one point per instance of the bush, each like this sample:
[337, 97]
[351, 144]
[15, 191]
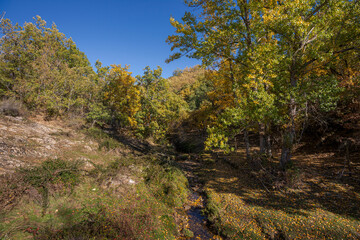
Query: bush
[109, 144]
[52, 175]
[168, 184]
[98, 114]
[12, 107]
[102, 222]
[104, 139]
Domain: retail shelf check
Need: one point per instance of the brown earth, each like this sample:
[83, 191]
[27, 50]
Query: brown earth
[25, 142]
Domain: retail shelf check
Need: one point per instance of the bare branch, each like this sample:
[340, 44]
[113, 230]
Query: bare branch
[2, 16]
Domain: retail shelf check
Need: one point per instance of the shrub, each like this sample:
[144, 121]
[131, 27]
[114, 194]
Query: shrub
[104, 139]
[98, 114]
[168, 184]
[12, 107]
[109, 144]
[52, 175]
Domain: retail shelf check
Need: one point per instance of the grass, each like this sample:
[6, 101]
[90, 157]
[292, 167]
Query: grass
[93, 211]
[168, 184]
[104, 139]
[319, 207]
[58, 199]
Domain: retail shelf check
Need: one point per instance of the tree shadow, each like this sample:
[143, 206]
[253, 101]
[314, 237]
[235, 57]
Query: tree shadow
[319, 185]
[131, 142]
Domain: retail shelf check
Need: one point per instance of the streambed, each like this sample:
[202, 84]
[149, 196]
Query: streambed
[197, 223]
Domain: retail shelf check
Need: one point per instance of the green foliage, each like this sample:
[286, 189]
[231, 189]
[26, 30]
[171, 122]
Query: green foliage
[188, 233]
[44, 69]
[192, 86]
[52, 172]
[43, 178]
[168, 184]
[273, 59]
[98, 114]
[159, 105]
[104, 139]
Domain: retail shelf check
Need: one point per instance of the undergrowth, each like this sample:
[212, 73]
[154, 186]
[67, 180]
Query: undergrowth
[58, 200]
[104, 139]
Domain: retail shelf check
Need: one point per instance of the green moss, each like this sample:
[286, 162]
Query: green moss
[168, 184]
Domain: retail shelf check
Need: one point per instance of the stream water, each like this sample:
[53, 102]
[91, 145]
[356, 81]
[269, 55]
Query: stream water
[197, 221]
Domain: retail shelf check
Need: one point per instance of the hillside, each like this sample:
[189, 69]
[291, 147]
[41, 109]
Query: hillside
[67, 178]
[25, 142]
[260, 141]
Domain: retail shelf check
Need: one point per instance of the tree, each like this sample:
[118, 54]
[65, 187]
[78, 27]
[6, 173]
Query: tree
[277, 55]
[310, 35]
[121, 95]
[159, 105]
[225, 36]
[44, 69]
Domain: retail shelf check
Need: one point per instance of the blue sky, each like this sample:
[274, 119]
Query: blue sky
[122, 32]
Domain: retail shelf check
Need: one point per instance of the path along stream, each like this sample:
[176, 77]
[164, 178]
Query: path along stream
[197, 221]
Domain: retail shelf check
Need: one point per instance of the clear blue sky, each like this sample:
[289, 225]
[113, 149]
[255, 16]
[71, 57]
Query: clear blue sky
[122, 32]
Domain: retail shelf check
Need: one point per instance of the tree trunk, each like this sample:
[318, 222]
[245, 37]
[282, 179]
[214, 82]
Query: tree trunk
[262, 143]
[268, 143]
[285, 157]
[347, 157]
[236, 148]
[288, 137]
[247, 145]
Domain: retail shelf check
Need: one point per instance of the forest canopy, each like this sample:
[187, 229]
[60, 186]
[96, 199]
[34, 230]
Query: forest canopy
[282, 62]
[268, 67]
[262, 137]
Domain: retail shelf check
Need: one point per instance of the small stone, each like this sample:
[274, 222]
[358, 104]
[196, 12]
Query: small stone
[88, 147]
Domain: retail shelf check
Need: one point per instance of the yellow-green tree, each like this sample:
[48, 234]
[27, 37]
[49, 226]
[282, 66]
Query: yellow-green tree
[278, 53]
[44, 69]
[159, 105]
[122, 95]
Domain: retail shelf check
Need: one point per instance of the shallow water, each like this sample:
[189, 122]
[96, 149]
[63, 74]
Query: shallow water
[197, 222]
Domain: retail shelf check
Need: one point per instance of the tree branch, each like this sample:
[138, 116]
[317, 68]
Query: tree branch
[316, 10]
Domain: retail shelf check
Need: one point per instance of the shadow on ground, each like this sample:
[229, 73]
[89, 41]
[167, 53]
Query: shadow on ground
[315, 183]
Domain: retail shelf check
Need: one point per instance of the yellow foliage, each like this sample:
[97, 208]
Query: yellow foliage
[122, 94]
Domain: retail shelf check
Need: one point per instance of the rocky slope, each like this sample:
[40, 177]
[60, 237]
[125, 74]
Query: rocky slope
[25, 142]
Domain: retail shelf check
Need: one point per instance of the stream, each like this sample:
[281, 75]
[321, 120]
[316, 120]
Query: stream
[197, 221]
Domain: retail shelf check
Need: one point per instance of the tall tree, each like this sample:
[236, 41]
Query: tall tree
[122, 96]
[229, 36]
[310, 35]
[44, 69]
[159, 105]
[277, 55]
